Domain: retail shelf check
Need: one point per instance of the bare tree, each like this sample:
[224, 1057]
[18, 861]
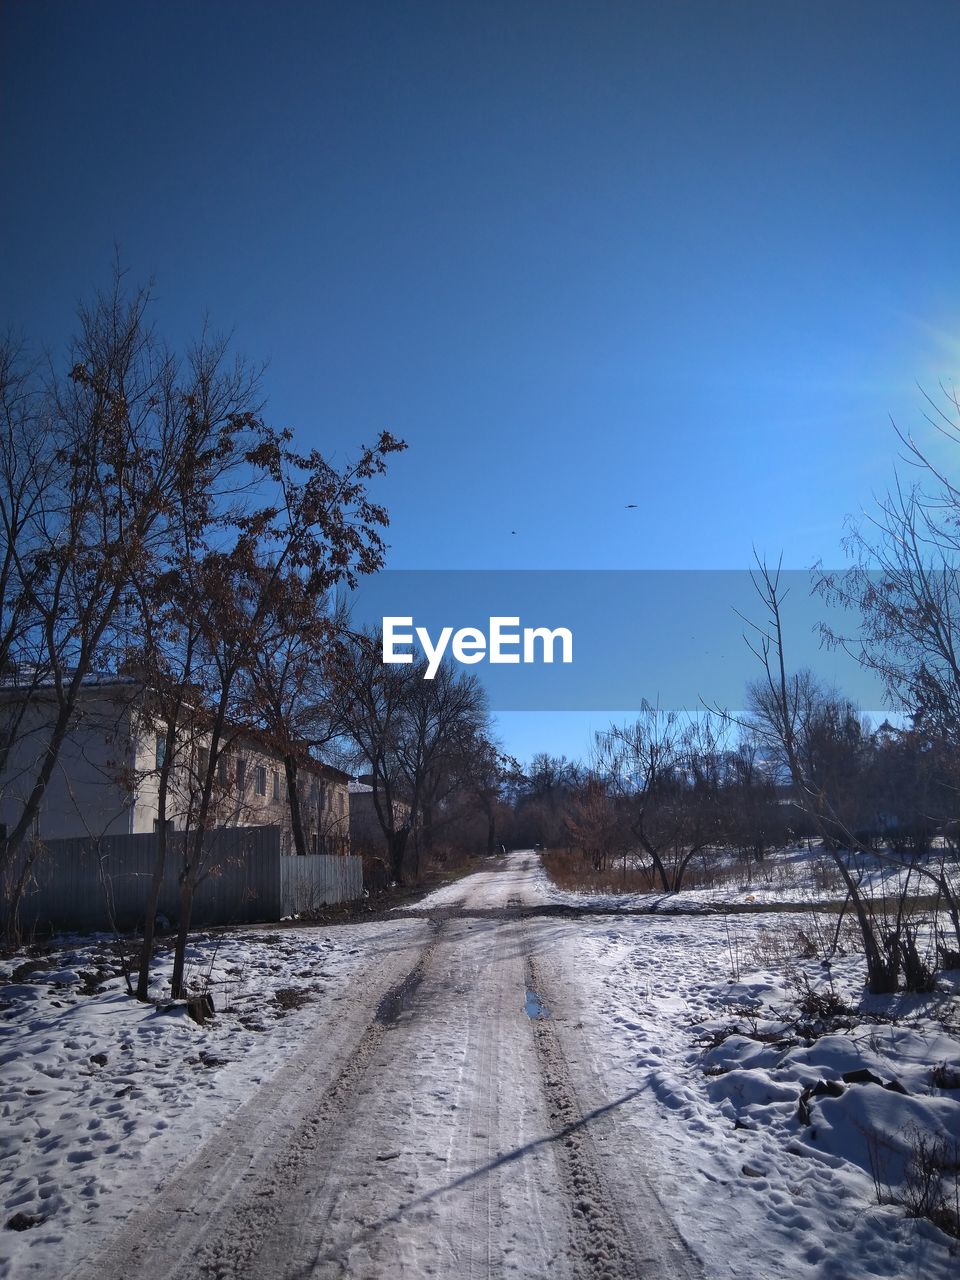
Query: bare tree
[126, 439]
[316, 528]
[408, 733]
[787, 711]
[487, 770]
[545, 798]
[285, 690]
[595, 823]
[754, 818]
[464, 805]
[26, 475]
[27, 461]
[904, 582]
[154, 524]
[665, 767]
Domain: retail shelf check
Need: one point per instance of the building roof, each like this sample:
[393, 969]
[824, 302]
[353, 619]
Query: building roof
[16, 684]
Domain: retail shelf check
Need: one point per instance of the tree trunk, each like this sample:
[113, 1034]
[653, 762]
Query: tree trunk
[193, 857]
[414, 858]
[156, 881]
[183, 934]
[651, 853]
[150, 913]
[396, 847]
[426, 826]
[296, 813]
[680, 868]
[12, 911]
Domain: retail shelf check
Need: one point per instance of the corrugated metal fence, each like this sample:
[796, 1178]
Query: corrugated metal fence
[71, 882]
[318, 880]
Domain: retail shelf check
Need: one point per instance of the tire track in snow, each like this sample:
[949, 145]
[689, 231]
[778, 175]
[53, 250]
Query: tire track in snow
[473, 1191]
[619, 1235]
[210, 1217]
[248, 1224]
[446, 1136]
[602, 1243]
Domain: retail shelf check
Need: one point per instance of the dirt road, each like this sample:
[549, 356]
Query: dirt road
[452, 1123]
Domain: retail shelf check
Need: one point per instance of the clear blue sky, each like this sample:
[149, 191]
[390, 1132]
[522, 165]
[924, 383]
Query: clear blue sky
[582, 254]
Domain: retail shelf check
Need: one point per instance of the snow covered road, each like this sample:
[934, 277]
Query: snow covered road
[434, 1130]
[504, 1080]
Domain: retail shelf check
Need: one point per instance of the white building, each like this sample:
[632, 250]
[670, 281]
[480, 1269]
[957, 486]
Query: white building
[106, 779]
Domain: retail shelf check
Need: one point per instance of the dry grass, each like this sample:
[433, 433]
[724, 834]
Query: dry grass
[780, 945]
[573, 872]
[447, 860]
[713, 868]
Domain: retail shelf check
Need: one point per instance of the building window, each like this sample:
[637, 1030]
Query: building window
[260, 780]
[222, 771]
[160, 750]
[276, 784]
[203, 761]
[241, 774]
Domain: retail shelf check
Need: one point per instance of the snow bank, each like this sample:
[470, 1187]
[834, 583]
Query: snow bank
[102, 1097]
[710, 1036]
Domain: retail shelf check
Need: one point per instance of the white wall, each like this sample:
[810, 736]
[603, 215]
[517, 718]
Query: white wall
[89, 790]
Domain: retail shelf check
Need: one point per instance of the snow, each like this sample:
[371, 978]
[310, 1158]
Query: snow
[653, 992]
[682, 1033]
[103, 1097]
[803, 874]
[657, 994]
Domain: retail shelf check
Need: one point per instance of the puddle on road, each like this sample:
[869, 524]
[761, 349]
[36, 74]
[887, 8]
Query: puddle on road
[398, 998]
[534, 1005]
